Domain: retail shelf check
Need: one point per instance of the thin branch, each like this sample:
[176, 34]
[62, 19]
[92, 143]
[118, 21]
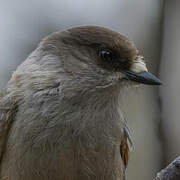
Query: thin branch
[171, 172]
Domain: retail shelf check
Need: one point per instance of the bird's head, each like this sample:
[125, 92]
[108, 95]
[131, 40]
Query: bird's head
[90, 58]
[103, 57]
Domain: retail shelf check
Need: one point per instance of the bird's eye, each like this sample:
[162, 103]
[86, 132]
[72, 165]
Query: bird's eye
[106, 55]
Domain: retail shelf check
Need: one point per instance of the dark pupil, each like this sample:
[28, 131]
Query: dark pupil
[106, 55]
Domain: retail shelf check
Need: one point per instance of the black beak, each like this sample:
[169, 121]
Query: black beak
[143, 77]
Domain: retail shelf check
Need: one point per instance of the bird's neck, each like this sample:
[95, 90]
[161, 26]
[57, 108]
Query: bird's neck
[96, 114]
[98, 111]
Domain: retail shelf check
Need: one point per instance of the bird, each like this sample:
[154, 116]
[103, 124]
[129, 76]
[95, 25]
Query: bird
[60, 115]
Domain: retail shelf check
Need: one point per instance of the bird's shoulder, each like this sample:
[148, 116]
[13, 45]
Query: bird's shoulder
[8, 108]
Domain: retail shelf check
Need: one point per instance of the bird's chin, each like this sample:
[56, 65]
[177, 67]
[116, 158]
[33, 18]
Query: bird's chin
[126, 82]
[118, 83]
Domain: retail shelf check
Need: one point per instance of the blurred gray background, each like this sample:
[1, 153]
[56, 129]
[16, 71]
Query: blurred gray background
[153, 114]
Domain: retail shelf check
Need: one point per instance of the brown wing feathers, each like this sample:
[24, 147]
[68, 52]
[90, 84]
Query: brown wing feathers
[126, 146]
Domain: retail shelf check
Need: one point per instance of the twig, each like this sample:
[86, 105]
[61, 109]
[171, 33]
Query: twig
[171, 172]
